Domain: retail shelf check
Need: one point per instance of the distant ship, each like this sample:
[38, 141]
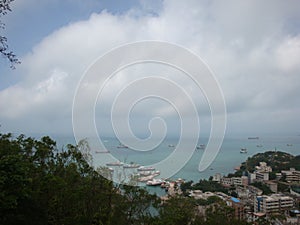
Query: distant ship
[200, 146]
[131, 166]
[114, 164]
[104, 151]
[250, 138]
[122, 146]
[142, 168]
[148, 173]
[243, 150]
[154, 182]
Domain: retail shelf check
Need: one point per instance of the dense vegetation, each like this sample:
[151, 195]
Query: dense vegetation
[266, 190]
[276, 159]
[40, 184]
[203, 185]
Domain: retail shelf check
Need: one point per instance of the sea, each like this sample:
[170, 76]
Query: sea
[228, 158]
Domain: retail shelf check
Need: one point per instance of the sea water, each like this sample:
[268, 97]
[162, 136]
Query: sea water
[227, 159]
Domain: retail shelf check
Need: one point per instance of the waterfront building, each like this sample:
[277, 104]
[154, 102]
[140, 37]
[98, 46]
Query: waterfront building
[217, 177]
[226, 181]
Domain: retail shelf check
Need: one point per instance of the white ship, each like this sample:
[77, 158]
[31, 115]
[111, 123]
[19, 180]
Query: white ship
[115, 164]
[142, 168]
[243, 150]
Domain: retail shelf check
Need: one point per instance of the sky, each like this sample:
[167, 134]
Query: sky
[252, 47]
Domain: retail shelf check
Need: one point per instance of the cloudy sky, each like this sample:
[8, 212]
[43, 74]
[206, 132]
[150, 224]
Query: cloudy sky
[253, 48]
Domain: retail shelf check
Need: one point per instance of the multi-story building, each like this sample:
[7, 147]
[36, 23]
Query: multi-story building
[217, 177]
[236, 181]
[251, 177]
[261, 176]
[291, 175]
[263, 167]
[239, 181]
[226, 181]
[273, 203]
[245, 180]
[238, 207]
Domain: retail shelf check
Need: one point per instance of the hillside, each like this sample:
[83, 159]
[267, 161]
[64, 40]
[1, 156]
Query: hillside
[276, 159]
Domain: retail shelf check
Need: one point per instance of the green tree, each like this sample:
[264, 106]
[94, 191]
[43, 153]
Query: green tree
[266, 190]
[177, 210]
[221, 214]
[4, 50]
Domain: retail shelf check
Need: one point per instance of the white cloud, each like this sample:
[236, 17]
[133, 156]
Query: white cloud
[248, 45]
[288, 54]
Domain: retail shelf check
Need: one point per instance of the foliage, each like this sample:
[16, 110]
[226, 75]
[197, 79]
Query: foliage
[40, 184]
[266, 190]
[238, 173]
[276, 159]
[177, 210]
[203, 185]
[210, 200]
[295, 162]
[4, 51]
[219, 214]
[283, 187]
[272, 175]
[186, 186]
[211, 186]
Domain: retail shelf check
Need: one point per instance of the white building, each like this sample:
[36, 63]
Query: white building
[292, 175]
[239, 181]
[251, 177]
[217, 177]
[261, 176]
[226, 181]
[273, 203]
[263, 167]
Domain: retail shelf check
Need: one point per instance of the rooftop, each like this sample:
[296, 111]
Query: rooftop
[235, 199]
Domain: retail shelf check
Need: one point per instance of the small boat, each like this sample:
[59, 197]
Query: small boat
[259, 146]
[148, 173]
[171, 146]
[148, 177]
[154, 182]
[142, 168]
[253, 138]
[289, 145]
[145, 179]
[200, 146]
[104, 151]
[243, 150]
[131, 166]
[122, 146]
[115, 164]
